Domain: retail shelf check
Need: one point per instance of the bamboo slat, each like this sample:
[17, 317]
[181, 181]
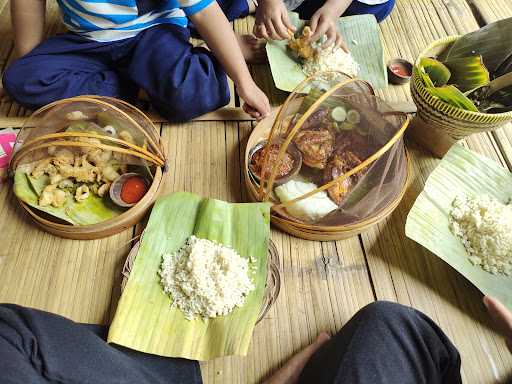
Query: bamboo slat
[492, 10]
[400, 269]
[77, 279]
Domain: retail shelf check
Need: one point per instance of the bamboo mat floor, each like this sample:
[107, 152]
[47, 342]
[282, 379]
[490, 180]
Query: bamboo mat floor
[324, 284]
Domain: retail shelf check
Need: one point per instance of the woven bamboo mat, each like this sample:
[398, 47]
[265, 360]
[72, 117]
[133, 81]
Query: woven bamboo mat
[492, 10]
[323, 283]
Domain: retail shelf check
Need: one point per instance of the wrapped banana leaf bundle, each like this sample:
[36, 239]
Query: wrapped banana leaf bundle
[475, 72]
[152, 319]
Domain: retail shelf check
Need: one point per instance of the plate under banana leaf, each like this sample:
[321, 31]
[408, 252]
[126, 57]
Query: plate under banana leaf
[361, 34]
[92, 210]
[461, 172]
[145, 320]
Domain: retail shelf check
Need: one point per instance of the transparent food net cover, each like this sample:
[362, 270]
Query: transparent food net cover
[69, 153]
[334, 156]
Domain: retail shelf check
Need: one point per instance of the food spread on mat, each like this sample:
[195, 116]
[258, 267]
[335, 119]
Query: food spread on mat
[315, 58]
[206, 279]
[484, 226]
[474, 73]
[72, 178]
[332, 140]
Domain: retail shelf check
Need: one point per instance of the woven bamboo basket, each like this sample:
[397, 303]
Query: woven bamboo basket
[451, 122]
[264, 131]
[272, 286]
[35, 137]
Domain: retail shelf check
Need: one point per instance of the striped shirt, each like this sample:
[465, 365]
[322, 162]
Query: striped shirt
[111, 20]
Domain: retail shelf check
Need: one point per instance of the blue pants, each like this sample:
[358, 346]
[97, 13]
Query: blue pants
[181, 81]
[380, 11]
[384, 343]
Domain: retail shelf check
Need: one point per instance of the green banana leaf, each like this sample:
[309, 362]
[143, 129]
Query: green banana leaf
[451, 95]
[145, 320]
[460, 172]
[492, 42]
[468, 73]
[92, 210]
[437, 72]
[361, 34]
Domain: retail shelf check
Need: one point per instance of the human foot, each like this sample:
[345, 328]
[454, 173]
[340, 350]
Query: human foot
[253, 49]
[290, 372]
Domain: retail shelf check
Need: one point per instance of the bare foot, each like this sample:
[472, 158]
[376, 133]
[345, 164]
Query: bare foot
[253, 49]
[290, 372]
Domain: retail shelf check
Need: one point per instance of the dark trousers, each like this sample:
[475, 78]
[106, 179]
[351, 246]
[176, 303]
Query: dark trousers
[380, 11]
[383, 343]
[181, 81]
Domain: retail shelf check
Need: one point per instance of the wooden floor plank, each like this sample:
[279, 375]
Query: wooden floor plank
[492, 10]
[323, 284]
[400, 269]
[77, 279]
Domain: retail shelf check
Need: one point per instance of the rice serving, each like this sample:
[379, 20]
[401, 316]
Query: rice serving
[331, 60]
[484, 226]
[205, 279]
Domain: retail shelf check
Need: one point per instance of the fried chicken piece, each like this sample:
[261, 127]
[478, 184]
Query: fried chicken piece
[301, 45]
[52, 196]
[316, 146]
[341, 163]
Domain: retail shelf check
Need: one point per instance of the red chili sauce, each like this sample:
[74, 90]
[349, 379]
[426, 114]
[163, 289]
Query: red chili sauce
[133, 190]
[399, 69]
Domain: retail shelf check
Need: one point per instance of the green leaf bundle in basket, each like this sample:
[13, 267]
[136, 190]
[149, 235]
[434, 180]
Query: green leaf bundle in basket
[463, 84]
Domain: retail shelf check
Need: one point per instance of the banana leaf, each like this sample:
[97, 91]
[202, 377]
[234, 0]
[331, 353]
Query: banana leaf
[361, 34]
[437, 72]
[145, 320]
[492, 42]
[468, 73]
[451, 95]
[460, 172]
[92, 210]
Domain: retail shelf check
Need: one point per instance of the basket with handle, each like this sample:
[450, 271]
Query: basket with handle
[447, 122]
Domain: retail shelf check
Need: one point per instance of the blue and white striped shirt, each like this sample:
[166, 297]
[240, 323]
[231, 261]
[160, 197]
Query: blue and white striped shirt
[111, 20]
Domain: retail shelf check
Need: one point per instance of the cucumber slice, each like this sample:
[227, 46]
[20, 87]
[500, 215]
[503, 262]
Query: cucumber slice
[339, 114]
[353, 117]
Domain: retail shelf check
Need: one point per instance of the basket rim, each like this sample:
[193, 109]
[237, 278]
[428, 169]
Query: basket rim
[450, 109]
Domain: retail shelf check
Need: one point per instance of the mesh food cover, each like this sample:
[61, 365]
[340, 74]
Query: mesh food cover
[334, 155]
[70, 152]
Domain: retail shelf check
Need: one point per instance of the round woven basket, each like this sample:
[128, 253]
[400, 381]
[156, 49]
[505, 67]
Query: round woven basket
[30, 141]
[272, 286]
[455, 122]
[308, 231]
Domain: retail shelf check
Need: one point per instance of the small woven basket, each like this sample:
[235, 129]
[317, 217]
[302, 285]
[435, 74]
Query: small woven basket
[272, 286]
[46, 128]
[455, 122]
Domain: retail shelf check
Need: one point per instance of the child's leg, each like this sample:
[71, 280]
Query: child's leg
[64, 66]
[182, 82]
[380, 11]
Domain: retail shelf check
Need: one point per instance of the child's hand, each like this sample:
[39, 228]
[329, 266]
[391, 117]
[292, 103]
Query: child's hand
[272, 20]
[256, 102]
[324, 22]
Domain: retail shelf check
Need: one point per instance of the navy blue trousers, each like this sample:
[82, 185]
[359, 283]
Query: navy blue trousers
[384, 343]
[181, 81]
